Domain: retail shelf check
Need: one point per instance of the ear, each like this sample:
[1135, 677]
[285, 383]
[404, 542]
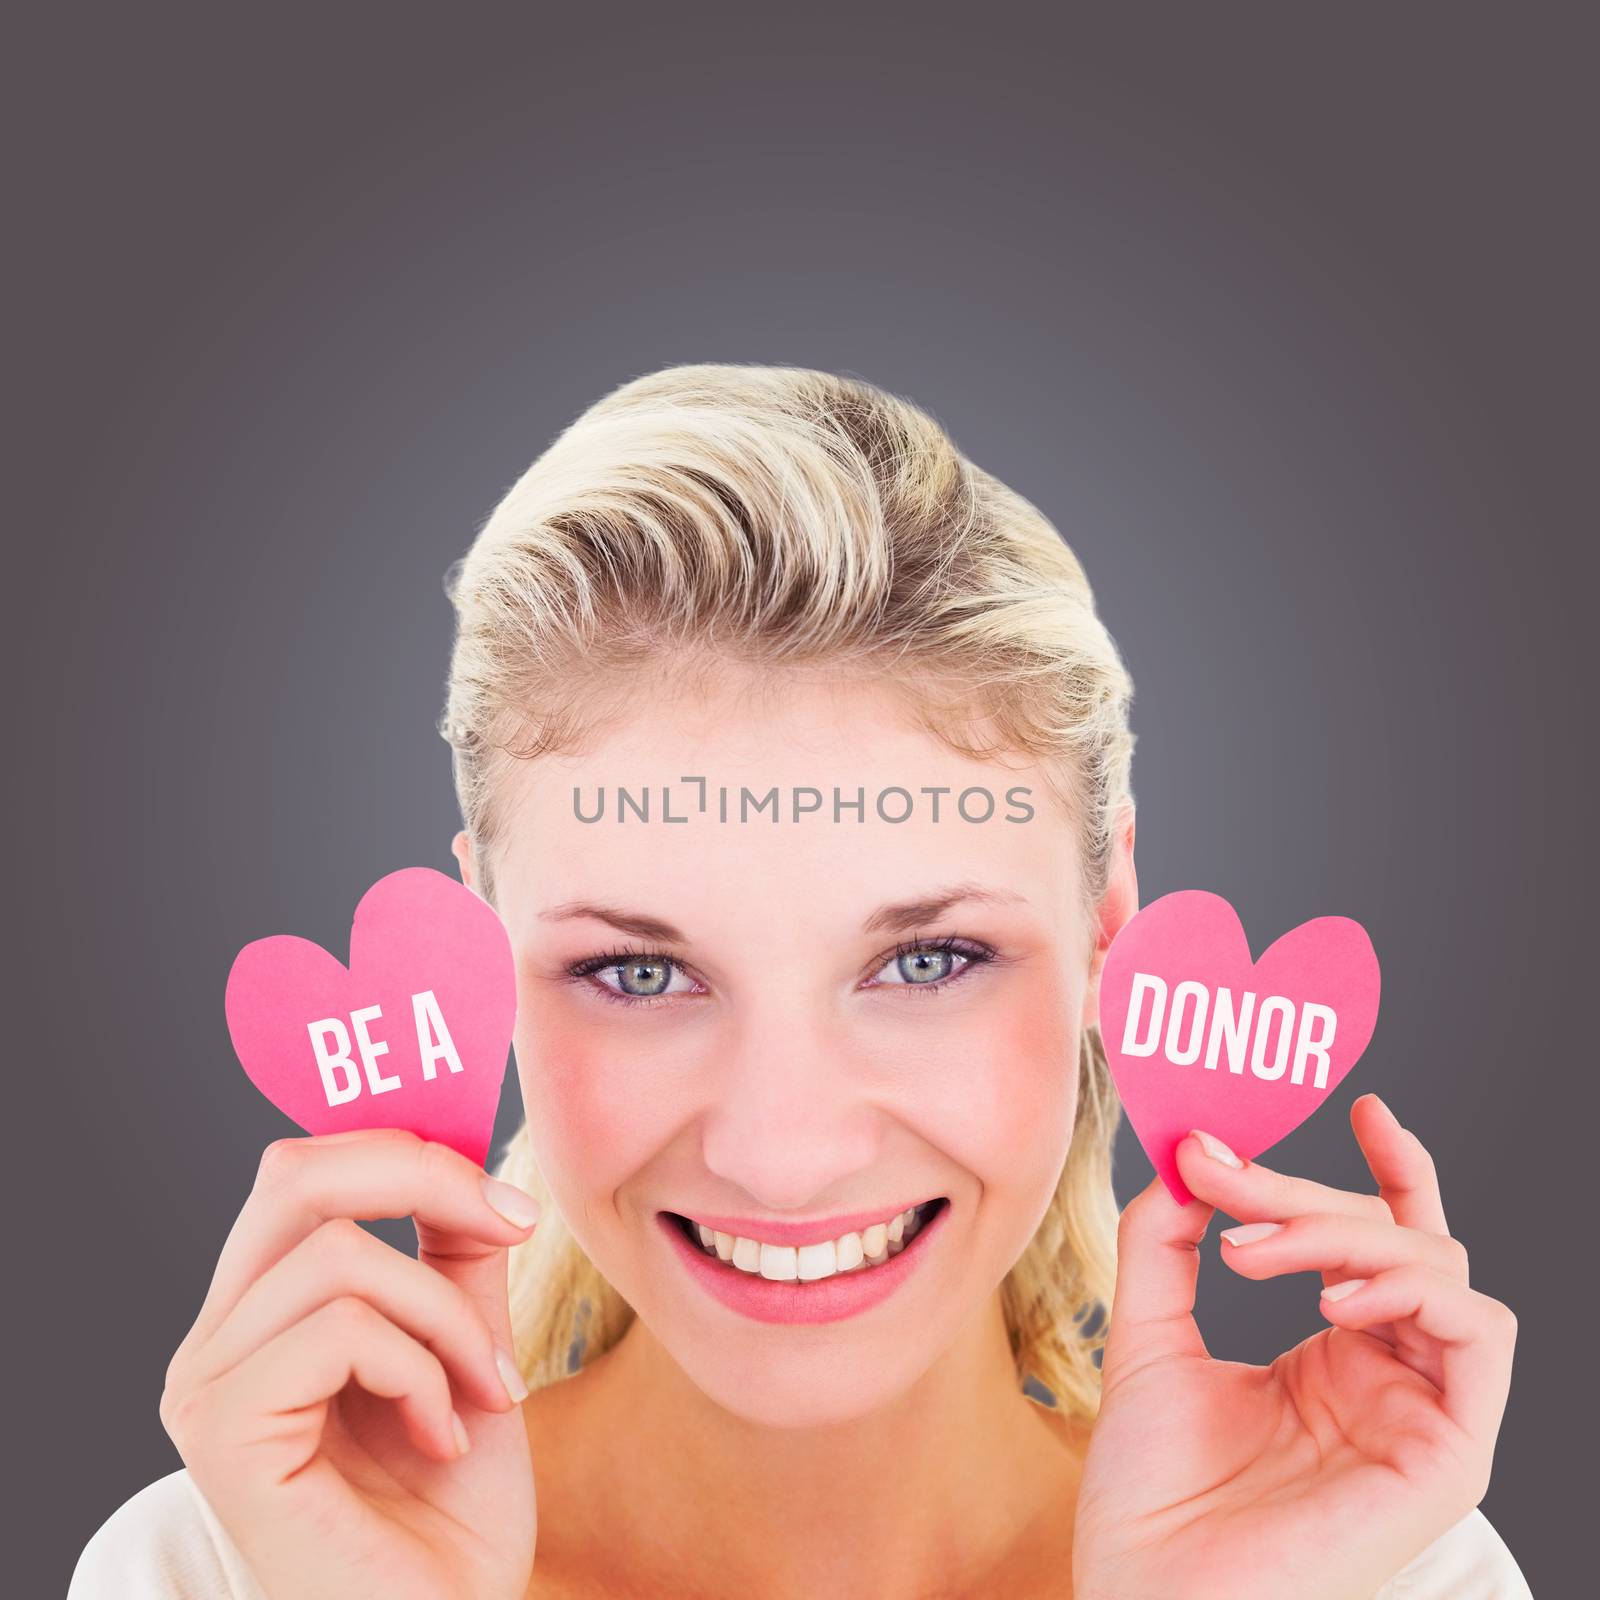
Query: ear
[461, 849]
[1119, 903]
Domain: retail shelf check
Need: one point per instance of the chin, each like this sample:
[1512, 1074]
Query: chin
[817, 1387]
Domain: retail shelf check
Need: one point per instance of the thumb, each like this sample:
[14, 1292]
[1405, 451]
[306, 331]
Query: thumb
[1158, 1265]
[473, 1264]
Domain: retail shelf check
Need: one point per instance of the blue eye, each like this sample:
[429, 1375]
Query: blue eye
[923, 966]
[931, 965]
[641, 976]
[644, 978]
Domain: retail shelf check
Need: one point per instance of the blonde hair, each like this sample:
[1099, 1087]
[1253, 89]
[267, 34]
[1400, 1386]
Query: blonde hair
[777, 516]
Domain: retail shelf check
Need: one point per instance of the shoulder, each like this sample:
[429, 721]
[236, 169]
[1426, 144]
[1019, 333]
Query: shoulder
[163, 1543]
[1468, 1562]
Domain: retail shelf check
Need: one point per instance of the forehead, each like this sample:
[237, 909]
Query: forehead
[760, 782]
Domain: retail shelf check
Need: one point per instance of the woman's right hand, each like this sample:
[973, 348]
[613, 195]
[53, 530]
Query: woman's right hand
[319, 1398]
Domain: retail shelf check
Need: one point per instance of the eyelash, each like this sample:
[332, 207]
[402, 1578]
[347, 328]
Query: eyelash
[975, 954]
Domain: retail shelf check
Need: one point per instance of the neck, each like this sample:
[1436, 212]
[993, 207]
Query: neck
[937, 1490]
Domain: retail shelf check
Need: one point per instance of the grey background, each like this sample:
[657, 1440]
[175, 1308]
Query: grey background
[1282, 314]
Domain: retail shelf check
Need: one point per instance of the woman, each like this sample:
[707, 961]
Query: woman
[795, 758]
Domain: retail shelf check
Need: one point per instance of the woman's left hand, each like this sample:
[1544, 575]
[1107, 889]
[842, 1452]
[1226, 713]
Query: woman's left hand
[1323, 1474]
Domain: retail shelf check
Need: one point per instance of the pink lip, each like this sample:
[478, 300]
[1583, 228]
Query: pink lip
[824, 1300]
[798, 1233]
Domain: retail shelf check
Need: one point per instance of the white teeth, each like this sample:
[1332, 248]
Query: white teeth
[817, 1261]
[852, 1252]
[778, 1262]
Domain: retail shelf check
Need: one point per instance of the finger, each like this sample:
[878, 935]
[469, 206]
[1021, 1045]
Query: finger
[1339, 1247]
[1158, 1266]
[1254, 1193]
[351, 1135]
[342, 1259]
[1476, 1335]
[276, 1399]
[303, 1183]
[1398, 1159]
[480, 1271]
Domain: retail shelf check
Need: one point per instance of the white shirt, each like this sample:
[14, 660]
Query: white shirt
[166, 1544]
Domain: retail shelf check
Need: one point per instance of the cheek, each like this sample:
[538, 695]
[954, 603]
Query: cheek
[1000, 1099]
[591, 1125]
[1018, 1127]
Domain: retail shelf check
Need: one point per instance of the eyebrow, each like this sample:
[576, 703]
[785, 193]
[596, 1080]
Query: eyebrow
[903, 914]
[634, 922]
[895, 917]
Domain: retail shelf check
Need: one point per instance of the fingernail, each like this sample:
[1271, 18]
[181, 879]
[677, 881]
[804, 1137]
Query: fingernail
[1337, 1291]
[1216, 1149]
[1249, 1232]
[459, 1429]
[509, 1376]
[511, 1202]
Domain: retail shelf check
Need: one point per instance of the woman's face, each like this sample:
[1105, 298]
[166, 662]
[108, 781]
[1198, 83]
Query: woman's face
[831, 1021]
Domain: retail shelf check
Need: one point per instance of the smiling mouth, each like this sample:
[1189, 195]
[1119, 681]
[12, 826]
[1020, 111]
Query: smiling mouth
[850, 1255]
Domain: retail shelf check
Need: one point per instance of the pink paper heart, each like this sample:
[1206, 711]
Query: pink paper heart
[1314, 1006]
[436, 962]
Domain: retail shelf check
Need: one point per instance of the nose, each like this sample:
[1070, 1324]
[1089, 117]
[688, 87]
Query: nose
[790, 1123]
